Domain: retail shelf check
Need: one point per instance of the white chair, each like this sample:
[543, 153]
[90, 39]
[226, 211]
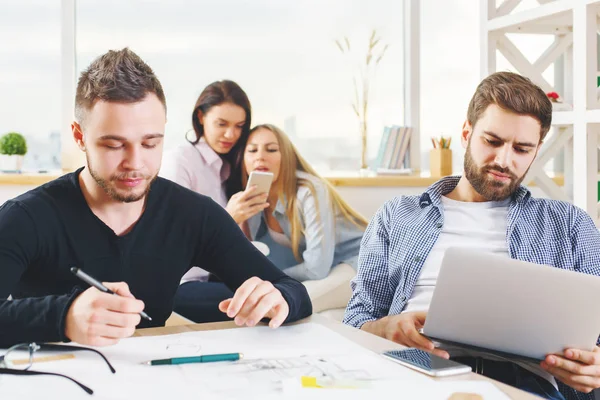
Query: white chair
[330, 295]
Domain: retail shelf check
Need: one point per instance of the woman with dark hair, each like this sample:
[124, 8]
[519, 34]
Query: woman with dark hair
[221, 122]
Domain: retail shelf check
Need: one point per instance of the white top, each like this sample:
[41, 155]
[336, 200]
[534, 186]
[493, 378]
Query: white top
[470, 224]
[199, 168]
[280, 238]
[477, 225]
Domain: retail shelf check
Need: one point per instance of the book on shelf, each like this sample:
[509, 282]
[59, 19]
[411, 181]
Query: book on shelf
[393, 171]
[394, 151]
[401, 153]
[382, 146]
[388, 144]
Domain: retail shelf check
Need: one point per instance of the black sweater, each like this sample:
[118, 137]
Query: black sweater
[48, 230]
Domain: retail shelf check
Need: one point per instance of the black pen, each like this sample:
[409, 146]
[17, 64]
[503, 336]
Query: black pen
[93, 282]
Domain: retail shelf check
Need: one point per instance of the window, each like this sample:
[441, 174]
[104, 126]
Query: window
[283, 54]
[30, 78]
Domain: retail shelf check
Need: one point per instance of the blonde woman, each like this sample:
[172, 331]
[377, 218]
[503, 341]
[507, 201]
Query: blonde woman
[308, 227]
[310, 231]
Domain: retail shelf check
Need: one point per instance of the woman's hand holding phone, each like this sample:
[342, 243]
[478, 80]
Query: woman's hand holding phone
[246, 204]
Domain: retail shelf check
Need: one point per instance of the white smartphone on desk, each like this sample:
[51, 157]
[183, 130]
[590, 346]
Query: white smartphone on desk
[427, 363]
[262, 180]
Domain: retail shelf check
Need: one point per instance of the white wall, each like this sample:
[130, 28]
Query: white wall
[367, 200]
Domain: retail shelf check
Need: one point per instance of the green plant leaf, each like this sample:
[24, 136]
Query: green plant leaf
[13, 143]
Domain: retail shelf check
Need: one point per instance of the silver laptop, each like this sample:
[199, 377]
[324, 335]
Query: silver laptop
[513, 308]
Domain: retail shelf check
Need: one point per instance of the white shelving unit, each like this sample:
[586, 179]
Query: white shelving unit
[574, 25]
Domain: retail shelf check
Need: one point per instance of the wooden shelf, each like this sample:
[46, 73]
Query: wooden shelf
[336, 180]
[400, 181]
[30, 179]
[382, 181]
[416, 180]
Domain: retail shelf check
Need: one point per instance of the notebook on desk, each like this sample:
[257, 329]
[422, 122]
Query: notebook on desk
[512, 308]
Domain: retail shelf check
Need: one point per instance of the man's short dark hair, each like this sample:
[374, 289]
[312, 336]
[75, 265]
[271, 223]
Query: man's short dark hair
[515, 93]
[119, 76]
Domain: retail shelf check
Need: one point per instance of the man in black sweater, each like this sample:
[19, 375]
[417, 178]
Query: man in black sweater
[119, 222]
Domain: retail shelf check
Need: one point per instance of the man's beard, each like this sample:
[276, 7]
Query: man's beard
[488, 188]
[110, 190]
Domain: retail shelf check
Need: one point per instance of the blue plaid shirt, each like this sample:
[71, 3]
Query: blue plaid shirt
[404, 230]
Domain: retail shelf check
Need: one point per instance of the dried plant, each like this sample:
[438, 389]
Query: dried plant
[361, 80]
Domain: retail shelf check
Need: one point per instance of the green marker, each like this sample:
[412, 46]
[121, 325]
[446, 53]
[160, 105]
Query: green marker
[197, 359]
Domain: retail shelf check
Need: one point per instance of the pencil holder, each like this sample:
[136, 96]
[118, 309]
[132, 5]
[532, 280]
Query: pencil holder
[440, 162]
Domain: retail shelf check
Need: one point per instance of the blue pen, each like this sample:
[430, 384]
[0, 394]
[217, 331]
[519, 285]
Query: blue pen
[197, 359]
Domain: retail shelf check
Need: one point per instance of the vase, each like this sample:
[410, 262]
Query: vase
[363, 146]
[18, 162]
[11, 163]
[440, 162]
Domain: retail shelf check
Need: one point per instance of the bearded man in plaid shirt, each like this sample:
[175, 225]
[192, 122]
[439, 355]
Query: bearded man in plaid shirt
[486, 209]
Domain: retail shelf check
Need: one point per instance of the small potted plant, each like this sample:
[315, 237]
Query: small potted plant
[557, 102]
[363, 85]
[554, 97]
[14, 145]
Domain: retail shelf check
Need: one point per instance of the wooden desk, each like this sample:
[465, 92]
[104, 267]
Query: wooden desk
[371, 342]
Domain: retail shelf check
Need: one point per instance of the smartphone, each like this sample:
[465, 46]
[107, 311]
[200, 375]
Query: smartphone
[262, 180]
[427, 363]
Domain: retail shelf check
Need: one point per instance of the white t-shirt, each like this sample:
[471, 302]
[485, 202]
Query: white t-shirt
[477, 225]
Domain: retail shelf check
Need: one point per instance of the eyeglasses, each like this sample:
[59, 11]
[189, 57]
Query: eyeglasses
[18, 359]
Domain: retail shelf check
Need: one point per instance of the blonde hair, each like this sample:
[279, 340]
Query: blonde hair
[287, 185]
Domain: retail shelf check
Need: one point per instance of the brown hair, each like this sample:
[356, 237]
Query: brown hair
[117, 76]
[221, 92]
[287, 185]
[216, 93]
[514, 93]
